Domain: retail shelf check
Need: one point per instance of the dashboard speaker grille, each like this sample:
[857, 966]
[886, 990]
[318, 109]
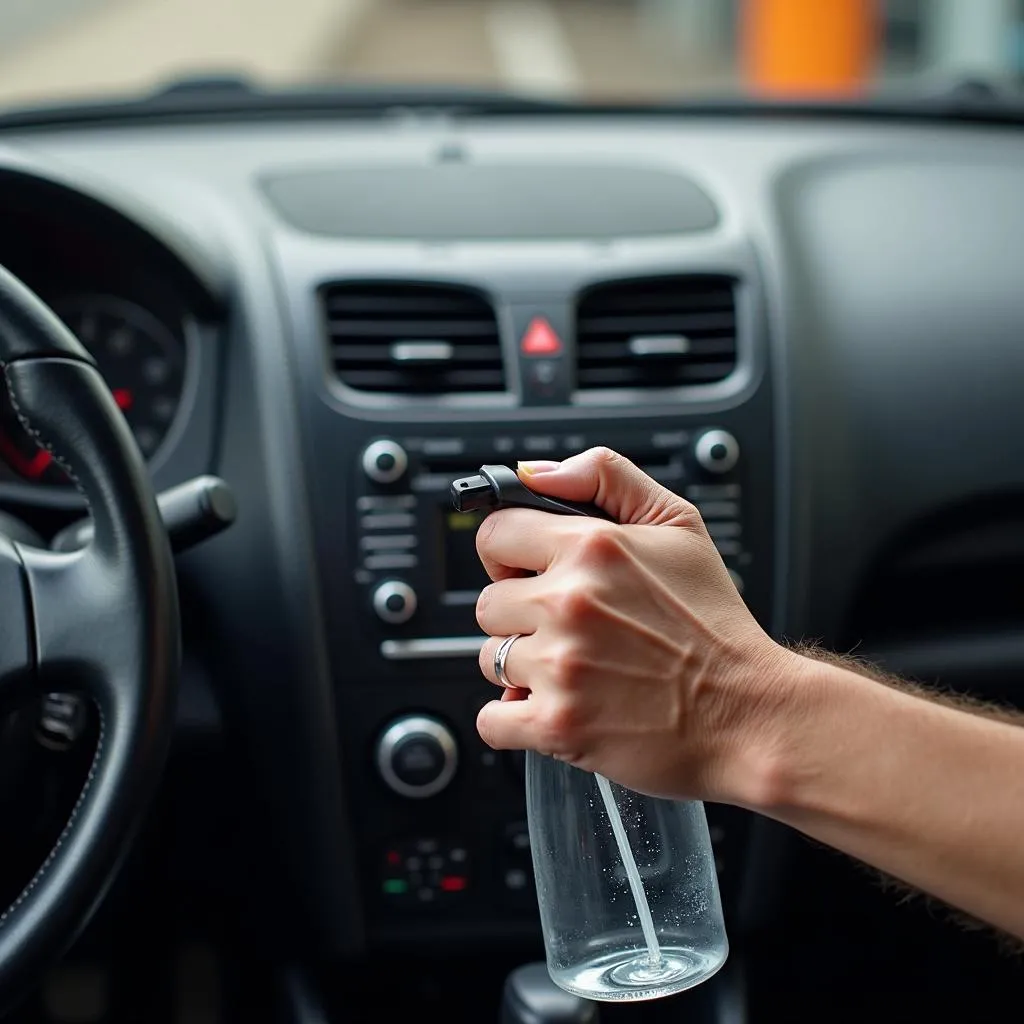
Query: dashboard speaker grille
[412, 339]
[656, 332]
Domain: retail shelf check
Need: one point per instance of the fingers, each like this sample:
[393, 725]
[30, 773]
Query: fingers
[614, 483]
[507, 724]
[517, 722]
[510, 606]
[516, 539]
[519, 665]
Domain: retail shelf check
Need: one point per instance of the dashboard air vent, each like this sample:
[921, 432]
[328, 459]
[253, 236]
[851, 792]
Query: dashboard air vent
[656, 333]
[414, 339]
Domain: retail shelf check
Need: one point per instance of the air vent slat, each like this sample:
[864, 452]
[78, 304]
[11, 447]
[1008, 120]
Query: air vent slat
[616, 377]
[394, 304]
[699, 349]
[647, 324]
[648, 300]
[412, 339]
[399, 330]
[363, 353]
[656, 333]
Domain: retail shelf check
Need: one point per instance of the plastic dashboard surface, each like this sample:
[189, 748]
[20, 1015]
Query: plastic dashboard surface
[886, 291]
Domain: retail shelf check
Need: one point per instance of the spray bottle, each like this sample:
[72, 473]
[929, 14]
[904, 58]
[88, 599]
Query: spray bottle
[626, 883]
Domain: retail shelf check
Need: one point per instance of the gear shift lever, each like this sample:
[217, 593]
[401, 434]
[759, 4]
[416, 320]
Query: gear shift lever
[531, 997]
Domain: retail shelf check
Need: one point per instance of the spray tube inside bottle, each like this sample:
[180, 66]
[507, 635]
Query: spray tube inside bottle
[626, 883]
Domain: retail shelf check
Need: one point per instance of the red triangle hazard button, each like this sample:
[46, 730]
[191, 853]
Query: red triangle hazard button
[540, 339]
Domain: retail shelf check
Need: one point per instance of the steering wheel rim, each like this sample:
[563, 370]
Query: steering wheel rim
[103, 620]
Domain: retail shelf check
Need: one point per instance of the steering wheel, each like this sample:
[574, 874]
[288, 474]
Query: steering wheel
[103, 620]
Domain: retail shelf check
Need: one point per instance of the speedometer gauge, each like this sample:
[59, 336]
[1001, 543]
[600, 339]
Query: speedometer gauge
[142, 363]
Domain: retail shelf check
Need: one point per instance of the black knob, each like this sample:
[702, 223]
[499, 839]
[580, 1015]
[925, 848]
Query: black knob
[716, 451]
[417, 756]
[394, 602]
[385, 461]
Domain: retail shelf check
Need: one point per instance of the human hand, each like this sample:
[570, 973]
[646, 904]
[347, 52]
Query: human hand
[638, 658]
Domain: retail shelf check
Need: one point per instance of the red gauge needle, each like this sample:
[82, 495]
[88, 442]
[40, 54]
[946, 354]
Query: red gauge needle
[124, 398]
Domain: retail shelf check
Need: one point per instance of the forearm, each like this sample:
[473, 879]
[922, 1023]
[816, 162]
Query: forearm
[927, 793]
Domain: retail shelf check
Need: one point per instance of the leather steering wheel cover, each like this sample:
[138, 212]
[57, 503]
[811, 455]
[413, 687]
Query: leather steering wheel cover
[105, 619]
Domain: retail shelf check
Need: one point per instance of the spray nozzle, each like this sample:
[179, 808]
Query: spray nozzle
[497, 487]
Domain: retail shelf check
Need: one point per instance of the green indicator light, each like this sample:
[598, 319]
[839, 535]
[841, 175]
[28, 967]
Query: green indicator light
[395, 886]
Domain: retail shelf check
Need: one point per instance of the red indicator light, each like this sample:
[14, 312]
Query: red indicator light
[540, 339]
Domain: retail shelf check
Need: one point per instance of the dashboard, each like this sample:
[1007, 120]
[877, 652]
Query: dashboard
[811, 330]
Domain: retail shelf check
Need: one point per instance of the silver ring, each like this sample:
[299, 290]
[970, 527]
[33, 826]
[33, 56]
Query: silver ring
[500, 657]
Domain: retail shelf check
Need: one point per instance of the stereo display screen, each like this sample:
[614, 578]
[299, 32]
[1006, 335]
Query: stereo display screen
[462, 569]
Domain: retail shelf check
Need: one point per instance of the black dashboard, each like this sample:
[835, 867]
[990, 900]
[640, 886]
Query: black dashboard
[813, 330]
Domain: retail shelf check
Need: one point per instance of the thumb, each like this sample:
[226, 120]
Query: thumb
[613, 483]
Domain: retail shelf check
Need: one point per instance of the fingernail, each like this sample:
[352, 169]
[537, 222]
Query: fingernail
[533, 468]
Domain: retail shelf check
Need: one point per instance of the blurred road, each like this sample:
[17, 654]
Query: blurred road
[51, 49]
[611, 47]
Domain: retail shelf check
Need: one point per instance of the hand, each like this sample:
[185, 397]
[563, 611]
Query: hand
[638, 657]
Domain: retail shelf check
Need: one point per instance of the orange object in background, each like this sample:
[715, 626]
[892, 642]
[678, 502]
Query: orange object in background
[809, 47]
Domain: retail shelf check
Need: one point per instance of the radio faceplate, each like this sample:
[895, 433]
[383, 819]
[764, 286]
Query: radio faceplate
[415, 557]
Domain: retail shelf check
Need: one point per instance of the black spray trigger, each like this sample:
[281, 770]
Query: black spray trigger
[497, 487]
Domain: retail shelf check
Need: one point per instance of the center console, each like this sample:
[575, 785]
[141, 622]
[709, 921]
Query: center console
[441, 817]
[413, 380]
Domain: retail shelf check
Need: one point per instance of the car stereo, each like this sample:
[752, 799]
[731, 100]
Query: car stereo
[415, 557]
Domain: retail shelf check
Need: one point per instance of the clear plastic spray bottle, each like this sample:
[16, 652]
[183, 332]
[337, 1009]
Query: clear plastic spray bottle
[626, 883]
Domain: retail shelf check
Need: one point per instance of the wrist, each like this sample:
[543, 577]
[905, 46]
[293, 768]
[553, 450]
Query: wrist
[779, 752]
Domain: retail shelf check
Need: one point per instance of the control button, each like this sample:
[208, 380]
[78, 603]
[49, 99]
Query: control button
[719, 509]
[384, 462]
[542, 376]
[713, 492]
[722, 529]
[397, 560]
[394, 602]
[407, 881]
[717, 451]
[516, 879]
[62, 720]
[669, 439]
[539, 443]
[417, 757]
[540, 339]
[516, 866]
[520, 842]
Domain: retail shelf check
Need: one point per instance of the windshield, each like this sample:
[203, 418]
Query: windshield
[53, 51]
